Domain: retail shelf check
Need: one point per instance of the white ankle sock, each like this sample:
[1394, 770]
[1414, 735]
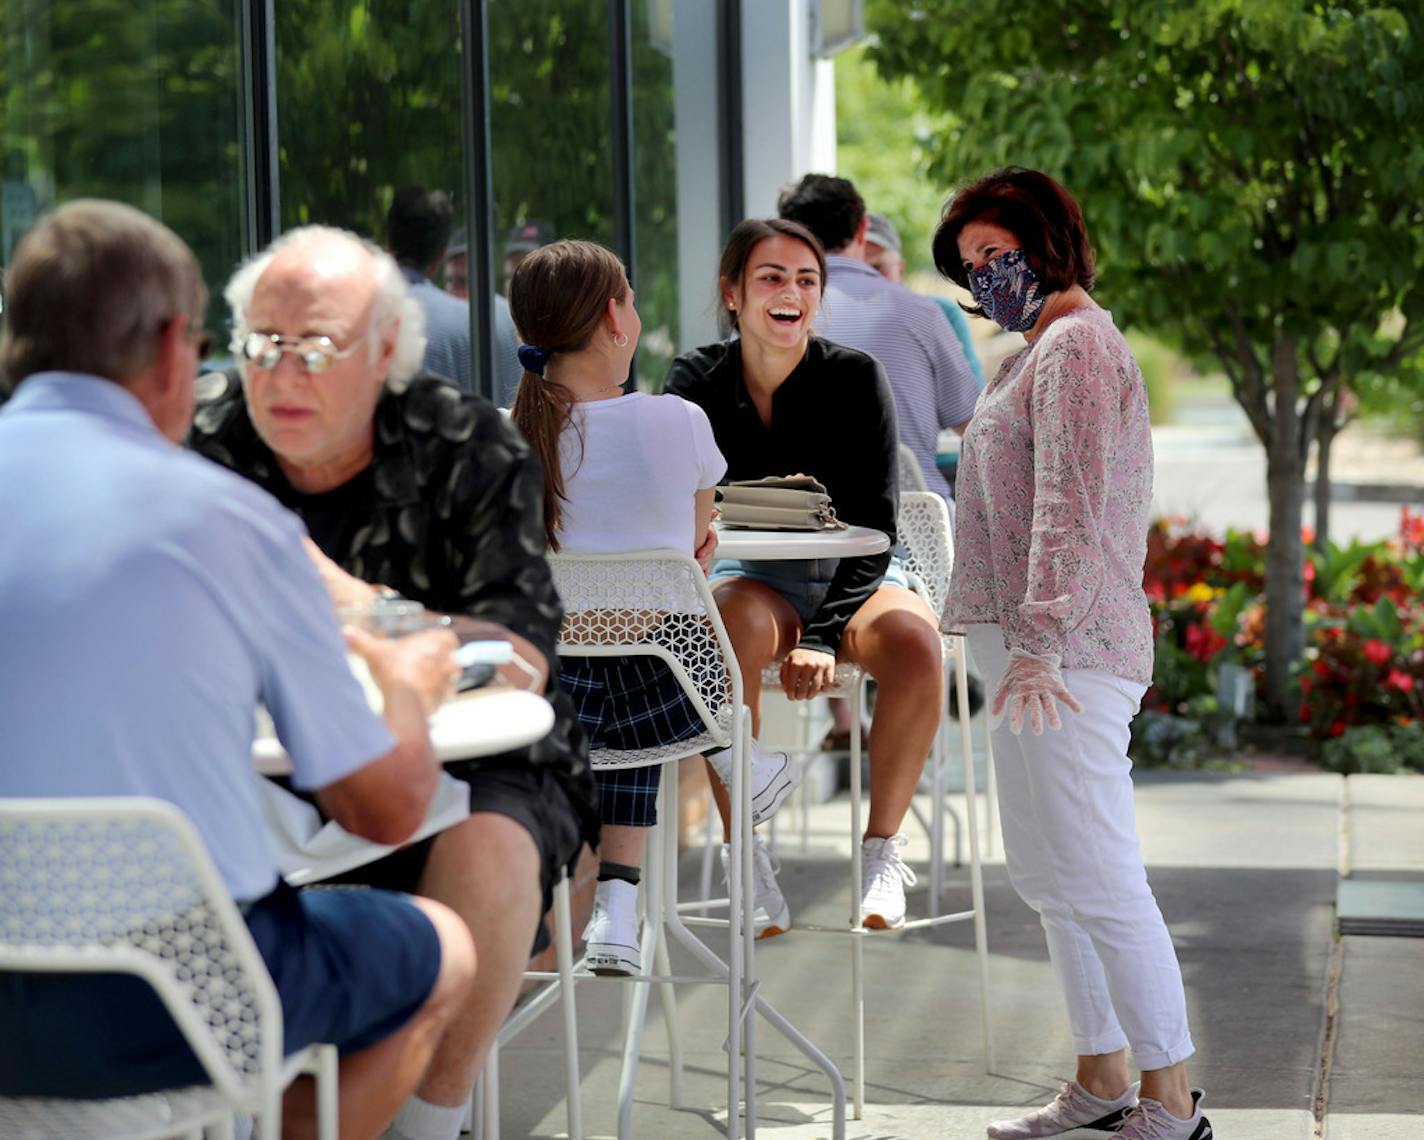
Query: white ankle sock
[420, 1120]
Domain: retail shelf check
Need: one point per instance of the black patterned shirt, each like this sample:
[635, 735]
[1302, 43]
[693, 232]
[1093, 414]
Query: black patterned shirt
[453, 520]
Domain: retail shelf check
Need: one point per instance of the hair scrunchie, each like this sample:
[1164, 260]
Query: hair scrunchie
[533, 359]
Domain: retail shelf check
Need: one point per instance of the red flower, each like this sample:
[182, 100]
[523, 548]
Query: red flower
[1337, 728]
[1321, 668]
[1401, 681]
[1203, 642]
[1304, 713]
[1377, 651]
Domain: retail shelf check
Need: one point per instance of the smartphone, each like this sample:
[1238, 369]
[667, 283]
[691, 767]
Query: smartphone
[479, 663]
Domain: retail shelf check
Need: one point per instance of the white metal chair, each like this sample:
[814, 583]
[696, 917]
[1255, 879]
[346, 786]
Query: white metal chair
[911, 477]
[657, 604]
[124, 885]
[926, 549]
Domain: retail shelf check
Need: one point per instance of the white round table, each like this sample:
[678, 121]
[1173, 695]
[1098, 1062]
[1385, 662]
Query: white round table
[484, 722]
[479, 723]
[784, 545]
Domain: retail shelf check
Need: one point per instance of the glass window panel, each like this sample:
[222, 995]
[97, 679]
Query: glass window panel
[368, 100]
[655, 189]
[551, 128]
[134, 100]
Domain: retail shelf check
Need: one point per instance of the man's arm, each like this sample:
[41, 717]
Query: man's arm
[386, 800]
[529, 670]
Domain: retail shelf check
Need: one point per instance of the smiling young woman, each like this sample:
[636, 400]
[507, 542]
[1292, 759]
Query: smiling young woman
[782, 400]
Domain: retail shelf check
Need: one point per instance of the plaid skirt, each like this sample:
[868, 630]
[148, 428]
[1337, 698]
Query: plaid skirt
[625, 704]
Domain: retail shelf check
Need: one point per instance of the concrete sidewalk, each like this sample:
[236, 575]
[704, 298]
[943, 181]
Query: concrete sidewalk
[1299, 1035]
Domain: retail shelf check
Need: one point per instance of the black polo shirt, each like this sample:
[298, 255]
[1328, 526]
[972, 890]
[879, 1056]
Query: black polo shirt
[834, 418]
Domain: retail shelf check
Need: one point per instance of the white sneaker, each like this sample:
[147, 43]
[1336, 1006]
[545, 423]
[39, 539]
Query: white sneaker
[771, 916]
[1150, 1121]
[883, 879]
[1074, 1114]
[774, 777]
[611, 937]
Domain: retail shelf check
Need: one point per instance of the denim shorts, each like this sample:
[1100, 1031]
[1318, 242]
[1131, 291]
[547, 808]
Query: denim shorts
[804, 583]
[350, 967]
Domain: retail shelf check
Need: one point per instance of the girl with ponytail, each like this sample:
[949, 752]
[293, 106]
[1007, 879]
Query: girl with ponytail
[622, 472]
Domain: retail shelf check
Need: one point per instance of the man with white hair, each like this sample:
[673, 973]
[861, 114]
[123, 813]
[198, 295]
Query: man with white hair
[408, 484]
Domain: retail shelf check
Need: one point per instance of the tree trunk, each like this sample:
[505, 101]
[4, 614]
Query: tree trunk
[1285, 579]
[1324, 439]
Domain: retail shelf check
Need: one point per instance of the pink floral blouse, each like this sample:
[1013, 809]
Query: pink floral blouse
[1052, 502]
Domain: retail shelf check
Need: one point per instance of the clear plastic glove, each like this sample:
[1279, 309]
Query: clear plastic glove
[1029, 687]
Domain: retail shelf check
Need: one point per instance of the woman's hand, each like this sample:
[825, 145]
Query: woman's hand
[806, 673]
[1031, 686]
[707, 551]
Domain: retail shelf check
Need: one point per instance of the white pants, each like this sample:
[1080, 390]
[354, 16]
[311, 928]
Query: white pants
[1070, 840]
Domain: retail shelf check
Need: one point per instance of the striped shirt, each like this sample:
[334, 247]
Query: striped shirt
[933, 385]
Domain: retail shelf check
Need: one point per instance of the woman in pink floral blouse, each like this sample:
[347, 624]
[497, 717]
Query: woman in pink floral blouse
[1054, 488]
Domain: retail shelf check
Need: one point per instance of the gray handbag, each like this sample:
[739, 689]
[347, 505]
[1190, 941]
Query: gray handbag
[786, 502]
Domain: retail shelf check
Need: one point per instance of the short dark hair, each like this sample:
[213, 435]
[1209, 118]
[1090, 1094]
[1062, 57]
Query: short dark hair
[743, 239]
[418, 226]
[1037, 210]
[90, 287]
[831, 208]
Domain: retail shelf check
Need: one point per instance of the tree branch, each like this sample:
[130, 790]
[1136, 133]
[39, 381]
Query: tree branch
[1252, 392]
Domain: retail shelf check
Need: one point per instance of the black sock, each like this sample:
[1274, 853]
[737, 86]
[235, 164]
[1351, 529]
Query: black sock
[607, 870]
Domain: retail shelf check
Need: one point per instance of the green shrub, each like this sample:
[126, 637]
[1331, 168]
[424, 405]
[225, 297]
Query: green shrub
[1376, 748]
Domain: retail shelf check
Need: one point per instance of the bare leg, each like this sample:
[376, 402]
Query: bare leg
[762, 626]
[894, 638]
[1104, 1074]
[621, 843]
[375, 1082]
[1170, 1086]
[487, 871]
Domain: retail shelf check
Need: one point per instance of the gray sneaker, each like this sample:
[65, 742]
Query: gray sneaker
[1150, 1121]
[1074, 1114]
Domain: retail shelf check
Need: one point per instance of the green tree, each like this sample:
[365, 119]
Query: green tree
[1250, 170]
[876, 120]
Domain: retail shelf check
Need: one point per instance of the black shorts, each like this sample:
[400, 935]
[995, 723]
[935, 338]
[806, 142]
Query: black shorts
[532, 797]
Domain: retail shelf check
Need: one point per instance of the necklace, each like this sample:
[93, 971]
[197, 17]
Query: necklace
[592, 392]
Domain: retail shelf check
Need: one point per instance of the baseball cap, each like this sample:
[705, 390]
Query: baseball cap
[529, 236]
[881, 232]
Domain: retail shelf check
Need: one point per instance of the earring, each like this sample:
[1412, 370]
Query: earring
[620, 339]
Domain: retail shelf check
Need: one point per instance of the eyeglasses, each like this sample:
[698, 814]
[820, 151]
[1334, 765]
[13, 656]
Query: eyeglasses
[316, 353]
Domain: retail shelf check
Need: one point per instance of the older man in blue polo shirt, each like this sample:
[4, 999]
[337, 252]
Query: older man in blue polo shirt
[933, 384]
[149, 600]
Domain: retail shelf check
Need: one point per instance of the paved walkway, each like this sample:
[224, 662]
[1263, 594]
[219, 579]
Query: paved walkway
[1211, 469]
[1300, 1036]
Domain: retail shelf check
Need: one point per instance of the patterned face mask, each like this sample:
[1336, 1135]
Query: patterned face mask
[1007, 290]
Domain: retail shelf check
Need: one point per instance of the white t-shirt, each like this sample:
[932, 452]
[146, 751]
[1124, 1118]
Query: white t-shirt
[643, 460]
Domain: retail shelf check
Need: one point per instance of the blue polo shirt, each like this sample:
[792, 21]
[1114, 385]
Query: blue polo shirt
[933, 385]
[148, 600]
